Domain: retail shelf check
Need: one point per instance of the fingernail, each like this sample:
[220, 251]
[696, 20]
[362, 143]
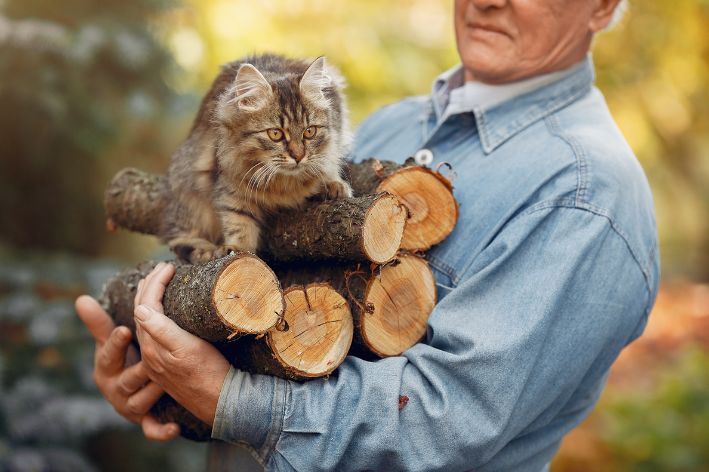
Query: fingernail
[159, 266]
[172, 430]
[124, 334]
[142, 312]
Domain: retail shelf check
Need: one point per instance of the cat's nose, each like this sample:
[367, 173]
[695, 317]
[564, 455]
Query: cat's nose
[296, 152]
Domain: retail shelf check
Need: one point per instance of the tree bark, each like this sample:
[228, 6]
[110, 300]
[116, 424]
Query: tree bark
[136, 200]
[364, 228]
[234, 294]
[427, 195]
[369, 227]
[167, 410]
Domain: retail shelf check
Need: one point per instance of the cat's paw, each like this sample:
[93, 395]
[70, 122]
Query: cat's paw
[337, 189]
[193, 250]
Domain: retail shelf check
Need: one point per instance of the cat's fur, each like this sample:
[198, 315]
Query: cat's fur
[230, 173]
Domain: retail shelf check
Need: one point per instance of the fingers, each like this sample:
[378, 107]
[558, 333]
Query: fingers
[132, 378]
[143, 400]
[110, 357]
[94, 317]
[152, 288]
[160, 329]
[153, 429]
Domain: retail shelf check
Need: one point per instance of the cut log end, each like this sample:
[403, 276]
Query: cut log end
[319, 333]
[247, 295]
[383, 229]
[402, 297]
[433, 211]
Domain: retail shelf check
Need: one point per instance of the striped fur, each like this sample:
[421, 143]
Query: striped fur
[229, 174]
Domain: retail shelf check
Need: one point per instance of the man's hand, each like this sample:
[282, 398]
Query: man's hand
[190, 369]
[128, 389]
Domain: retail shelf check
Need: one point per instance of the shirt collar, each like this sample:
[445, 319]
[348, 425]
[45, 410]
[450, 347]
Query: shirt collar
[501, 111]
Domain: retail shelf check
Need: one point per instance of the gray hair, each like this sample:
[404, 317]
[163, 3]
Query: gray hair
[618, 14]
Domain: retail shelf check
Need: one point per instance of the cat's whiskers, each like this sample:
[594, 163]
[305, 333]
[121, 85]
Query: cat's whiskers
[263, 178]
[253, 168]
[251, 187]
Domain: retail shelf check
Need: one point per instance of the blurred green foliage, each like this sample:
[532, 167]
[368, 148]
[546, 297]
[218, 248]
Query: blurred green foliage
[89, 87]
[664, 428]
[80, 80]
[52, 417]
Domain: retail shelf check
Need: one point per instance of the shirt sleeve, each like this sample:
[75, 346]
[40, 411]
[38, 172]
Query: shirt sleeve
[540, 313]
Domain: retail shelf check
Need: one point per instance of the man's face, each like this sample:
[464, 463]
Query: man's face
[507, 40]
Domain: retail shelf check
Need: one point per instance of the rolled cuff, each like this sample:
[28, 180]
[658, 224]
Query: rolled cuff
[250, 410]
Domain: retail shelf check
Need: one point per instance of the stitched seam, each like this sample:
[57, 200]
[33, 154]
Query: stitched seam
[446, 269]
[579, 154]
[277, 420]
[537, 113]
[534, 114]
[604, 214]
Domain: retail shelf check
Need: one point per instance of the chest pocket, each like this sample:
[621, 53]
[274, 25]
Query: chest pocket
[444, 276]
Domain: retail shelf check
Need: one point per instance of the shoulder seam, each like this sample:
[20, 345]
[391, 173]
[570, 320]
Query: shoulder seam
[552, 123]
[601, 212]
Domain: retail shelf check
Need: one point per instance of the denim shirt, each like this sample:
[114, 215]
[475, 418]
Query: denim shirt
[551, 270]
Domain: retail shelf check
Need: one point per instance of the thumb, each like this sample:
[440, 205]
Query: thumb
[161, 328]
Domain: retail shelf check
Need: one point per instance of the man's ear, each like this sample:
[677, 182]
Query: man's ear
[252, 88]
[602, 14]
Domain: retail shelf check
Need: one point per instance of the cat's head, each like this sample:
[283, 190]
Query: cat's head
[283, 116]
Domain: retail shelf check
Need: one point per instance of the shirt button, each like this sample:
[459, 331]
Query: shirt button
[423, 157]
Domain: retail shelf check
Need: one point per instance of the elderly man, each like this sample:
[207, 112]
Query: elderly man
[551, 271]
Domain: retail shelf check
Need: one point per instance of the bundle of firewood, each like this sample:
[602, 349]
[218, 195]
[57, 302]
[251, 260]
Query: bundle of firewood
[352, 272]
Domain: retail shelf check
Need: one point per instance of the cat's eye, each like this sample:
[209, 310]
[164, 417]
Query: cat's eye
[310, 132]
[275, 134]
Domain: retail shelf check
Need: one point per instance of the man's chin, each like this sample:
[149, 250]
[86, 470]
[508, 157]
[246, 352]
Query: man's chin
[487, 65]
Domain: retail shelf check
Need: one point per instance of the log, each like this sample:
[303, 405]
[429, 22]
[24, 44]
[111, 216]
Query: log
[427, 195]
[312, 341]
[369, 227]
[136, 200]
[167, 410]
[237, 293]
[390, 304]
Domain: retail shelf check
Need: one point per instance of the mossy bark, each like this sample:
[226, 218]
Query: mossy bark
[365, 176]
[136, 200]
[187, 301]
[331, 229]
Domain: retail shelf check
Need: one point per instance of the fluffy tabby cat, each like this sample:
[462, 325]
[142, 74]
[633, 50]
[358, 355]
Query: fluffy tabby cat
[270, 133]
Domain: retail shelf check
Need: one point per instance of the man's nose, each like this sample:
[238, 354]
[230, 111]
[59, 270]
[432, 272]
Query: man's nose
[485, 4]
[296, 150]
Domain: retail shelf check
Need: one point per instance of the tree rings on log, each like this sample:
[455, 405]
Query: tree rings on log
[427, 195]
[312, 340]
[397, 302]
[237, 293]
[319, 331]
[247, 295]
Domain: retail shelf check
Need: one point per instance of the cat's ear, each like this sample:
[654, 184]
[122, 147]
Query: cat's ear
[315, 80]
[251, 88]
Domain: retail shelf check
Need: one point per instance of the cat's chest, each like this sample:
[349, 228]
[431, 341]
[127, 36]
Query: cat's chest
[286, 193]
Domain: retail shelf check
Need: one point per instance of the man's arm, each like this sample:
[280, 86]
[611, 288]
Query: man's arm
[540, 314]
